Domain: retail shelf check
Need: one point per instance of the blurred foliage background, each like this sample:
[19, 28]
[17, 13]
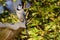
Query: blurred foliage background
[43, 20]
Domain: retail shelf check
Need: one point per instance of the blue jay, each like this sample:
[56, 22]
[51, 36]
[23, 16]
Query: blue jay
[20, 13]
[6, 34]
[21, 16]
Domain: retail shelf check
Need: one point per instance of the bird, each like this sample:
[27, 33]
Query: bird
[20, 14]
[10, 27]
[22, 17]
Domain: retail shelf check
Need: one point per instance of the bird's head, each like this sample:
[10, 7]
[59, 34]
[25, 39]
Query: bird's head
[19, 7]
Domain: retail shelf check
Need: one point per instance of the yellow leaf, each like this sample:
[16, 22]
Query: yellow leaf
[0, 0]
[14, 0]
